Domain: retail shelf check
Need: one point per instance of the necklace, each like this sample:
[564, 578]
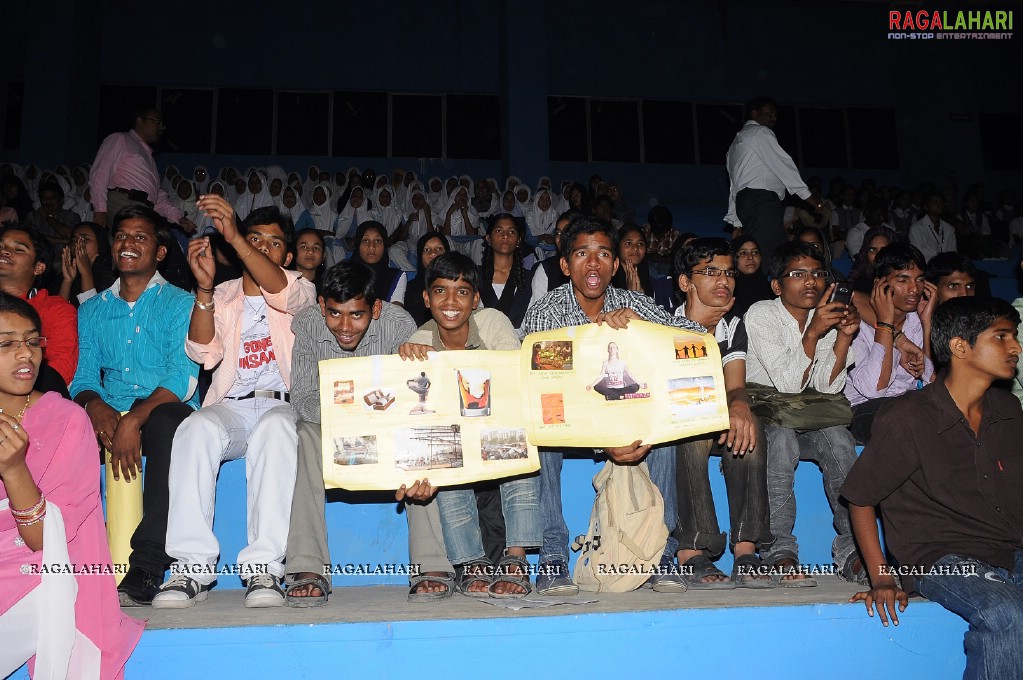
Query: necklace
[21, 413]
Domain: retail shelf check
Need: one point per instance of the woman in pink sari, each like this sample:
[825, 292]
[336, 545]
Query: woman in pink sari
[58, 602]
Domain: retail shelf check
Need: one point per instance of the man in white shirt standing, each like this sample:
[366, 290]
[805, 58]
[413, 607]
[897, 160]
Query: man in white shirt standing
[931, 234]
[760, 172]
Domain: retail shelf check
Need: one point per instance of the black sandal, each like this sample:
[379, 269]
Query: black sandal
[503, 574]
[475, 572]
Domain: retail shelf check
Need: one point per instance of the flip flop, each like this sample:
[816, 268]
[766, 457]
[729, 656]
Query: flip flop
[746, 573]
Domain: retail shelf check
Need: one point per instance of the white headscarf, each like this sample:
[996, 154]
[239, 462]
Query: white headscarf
[418, 227]
[391, 216]
[458, 227]
[295, 212]
[187, 206]
[202, 220]
[350, 218]
[249, 201]
[168, 177]
[323, 215]
[435, 198]
[309, 184]
[541, 222]
[201, 186]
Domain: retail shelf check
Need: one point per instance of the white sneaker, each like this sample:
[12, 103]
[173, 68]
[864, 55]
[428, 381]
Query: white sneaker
[181, 591]
[264, 590]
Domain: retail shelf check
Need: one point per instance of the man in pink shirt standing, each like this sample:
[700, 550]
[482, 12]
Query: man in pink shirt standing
[244, 331]
[124, 172]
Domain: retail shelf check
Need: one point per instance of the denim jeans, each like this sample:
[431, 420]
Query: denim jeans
[661, 464]
[746, 483]
[834, 451]
[991, 601]
[520, 502]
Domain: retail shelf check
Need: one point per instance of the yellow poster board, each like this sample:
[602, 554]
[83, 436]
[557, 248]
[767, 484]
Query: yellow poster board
[595, 386]
[462, 417]
[454, 419]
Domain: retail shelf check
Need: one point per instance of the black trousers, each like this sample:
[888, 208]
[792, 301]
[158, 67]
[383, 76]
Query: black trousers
[149, 542]
[763, 217]
[863, 418]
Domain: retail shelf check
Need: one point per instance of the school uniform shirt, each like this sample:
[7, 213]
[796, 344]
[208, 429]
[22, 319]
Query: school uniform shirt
[930, 240]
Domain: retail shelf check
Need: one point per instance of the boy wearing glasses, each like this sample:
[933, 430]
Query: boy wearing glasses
[706, 275]
[797, 341]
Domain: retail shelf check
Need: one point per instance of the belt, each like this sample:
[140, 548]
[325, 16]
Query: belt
[134, 195]
[264, 394]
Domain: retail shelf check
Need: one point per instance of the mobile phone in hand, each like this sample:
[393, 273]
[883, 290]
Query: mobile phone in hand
[842, 293]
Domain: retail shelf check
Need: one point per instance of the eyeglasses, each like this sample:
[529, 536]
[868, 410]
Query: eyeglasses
[158, 121]
[8, 346]
[729, 273]
[806, 273]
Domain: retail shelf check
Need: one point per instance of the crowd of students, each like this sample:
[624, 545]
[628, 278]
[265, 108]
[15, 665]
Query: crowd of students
[195, 343]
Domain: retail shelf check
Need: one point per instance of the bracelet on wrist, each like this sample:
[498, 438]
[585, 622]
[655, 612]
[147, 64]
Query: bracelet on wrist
[206, 306]
[204, 290]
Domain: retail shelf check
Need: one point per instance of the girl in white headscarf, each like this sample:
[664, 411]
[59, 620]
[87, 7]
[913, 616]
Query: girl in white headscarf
[184, 198]
[420, 220]
[277, 177]
[512, 182]
[204, 222]
[32, 178]
[522, 197]
[257, 195]
[385, 208]
[168, 178]
[201, 179]
[435, 193]
[354, 213]
[310, 182]
[324, 219]
[80, 178]
[541, 219]
[460, 219]
[292, 206]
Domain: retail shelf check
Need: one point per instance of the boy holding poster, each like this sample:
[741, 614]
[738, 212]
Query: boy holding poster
[451, 294]
[589, 258]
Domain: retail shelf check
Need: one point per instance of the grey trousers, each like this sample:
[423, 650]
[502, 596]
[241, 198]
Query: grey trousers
[307, 537]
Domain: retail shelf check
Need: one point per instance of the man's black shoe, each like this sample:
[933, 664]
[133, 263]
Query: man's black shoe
[138, 587]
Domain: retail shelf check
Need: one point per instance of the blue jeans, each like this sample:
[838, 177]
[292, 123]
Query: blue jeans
[661, 463]
[520, 503]
[991, 601]
[834, 450]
